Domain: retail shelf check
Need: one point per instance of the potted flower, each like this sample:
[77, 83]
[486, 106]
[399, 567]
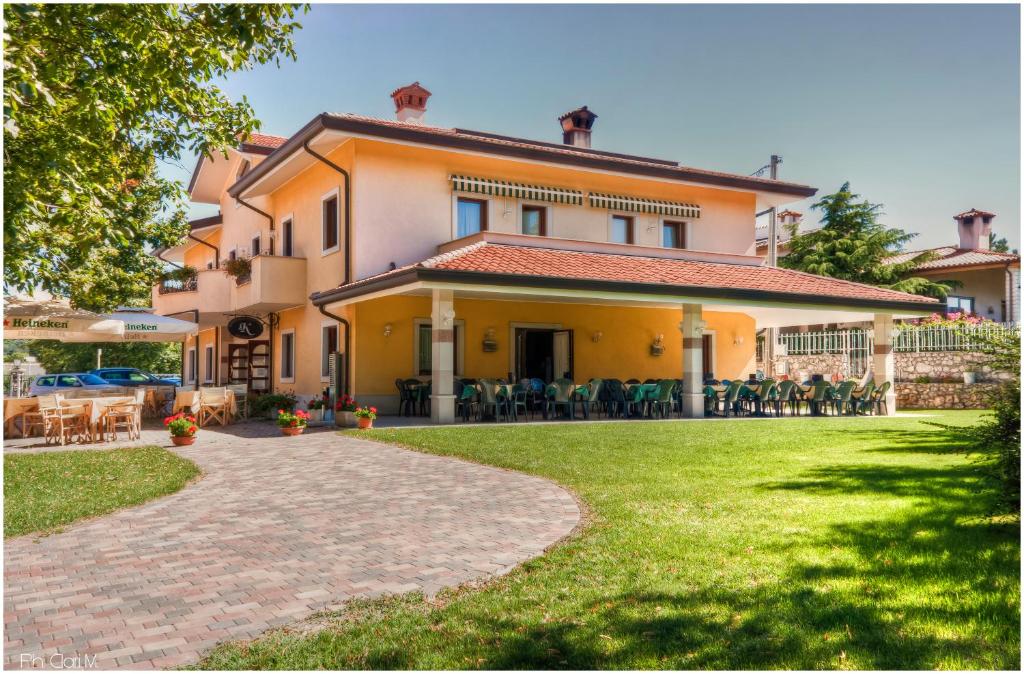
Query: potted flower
[316, 409]
[344, 411]
[292, 423]
[365, 416]
[183, 428]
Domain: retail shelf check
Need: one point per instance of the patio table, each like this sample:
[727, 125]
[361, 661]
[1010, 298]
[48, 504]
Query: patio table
[94, 409]
[191, 401]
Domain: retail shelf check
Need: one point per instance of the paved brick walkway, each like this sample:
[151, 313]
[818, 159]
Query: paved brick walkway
[277, 529]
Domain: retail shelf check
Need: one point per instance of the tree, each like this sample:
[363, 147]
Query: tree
[160, 357]
[999, 245]
[94, 97]
[852, 245]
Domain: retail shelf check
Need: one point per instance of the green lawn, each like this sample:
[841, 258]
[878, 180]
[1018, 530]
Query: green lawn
[793, 543]
[46, 491]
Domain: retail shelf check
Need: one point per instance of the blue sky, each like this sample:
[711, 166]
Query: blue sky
[917, 106]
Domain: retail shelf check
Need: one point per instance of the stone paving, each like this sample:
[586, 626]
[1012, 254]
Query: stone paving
[276, 529]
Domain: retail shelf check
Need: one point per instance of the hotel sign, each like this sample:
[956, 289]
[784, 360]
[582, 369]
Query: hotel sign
[245, 327]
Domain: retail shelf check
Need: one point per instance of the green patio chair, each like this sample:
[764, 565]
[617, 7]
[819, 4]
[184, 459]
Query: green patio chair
[879, 398]
[862, 398]
[406, 402]
[731, 398]
[520, 394]
[711, 401]
[820, 397]
[785, 395]
[491, 401]
[560, 395]
[661, 401]
[616, 397]
[466, 399]
[768, 395]
[636, 400]
[842, 398]
[592, 399]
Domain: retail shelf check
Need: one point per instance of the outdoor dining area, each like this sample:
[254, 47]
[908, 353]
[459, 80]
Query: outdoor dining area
[758, 396]
[79, 417]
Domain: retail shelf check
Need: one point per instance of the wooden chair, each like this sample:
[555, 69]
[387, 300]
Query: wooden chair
[34, 420]
[65, 423]
[241, 392]
[125, 417]
[213, 405]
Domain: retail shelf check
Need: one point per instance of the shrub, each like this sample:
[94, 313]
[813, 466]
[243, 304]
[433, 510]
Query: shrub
[181, 425]
[267, 404]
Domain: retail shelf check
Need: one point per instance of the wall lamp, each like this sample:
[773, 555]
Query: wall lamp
[387, 329]
[596, 337]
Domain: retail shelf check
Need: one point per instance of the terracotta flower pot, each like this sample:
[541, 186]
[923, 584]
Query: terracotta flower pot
[183, 440]
[365, 422]
[292, 430]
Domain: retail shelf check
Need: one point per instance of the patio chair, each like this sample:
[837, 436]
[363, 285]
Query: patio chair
[785, 395]
[241, 393]
[122, 417]
[519, 401]
[842, 400]
[560, 395]
[862, 398]
[65, 423]
[33, 421]
[878, 398]
[711, 401]
[820, 395]
[466, 399]
[769, 392]
[491, 400]
[406, 403]
[677, 397]
[731, 399]
[535, 395]
[662, 400]
[213, 406]
[636, 402]
[615, 397]
[592, 398]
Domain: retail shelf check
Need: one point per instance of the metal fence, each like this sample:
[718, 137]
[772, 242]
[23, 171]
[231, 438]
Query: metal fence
[906, 338]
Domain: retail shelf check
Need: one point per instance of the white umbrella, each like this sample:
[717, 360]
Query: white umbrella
[44, 317]
[144, 326]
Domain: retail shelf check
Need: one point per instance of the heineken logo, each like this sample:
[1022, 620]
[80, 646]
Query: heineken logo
[46, 324]
[140, 327]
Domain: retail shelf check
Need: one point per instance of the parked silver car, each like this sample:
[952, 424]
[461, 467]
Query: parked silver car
[60, 383]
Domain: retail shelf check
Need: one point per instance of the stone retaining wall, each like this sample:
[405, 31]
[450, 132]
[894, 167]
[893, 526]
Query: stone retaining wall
[938, 366]
[943, 396]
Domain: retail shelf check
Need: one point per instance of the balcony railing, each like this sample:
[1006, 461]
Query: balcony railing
[906, 339]
[176, 285]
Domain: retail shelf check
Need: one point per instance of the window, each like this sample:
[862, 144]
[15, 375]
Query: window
[288, 356]
[622, 229]
[91, 379]
[255, 245]
[535, 221]
[330, 223]
[114, 376]
[45, 381]
[956, 304]
[67, 380]
[139, 378]
[328, 345]
[190, 370]
[286, 238]
[472, 215]
[424, 347]
[208, 364]
[673, 235]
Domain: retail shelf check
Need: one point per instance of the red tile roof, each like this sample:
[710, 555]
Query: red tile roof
[266, 140]
[567, 264]
[951, 256]
[974, 211]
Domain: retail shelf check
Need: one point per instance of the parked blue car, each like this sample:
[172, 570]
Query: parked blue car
[130, 376]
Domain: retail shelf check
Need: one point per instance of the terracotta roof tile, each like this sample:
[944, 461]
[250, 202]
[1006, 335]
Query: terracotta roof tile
[546, 262]
[951, 256]
[266, 140]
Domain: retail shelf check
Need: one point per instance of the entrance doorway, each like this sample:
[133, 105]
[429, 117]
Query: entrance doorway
[249, 364]
[543, 353]
[707, 356]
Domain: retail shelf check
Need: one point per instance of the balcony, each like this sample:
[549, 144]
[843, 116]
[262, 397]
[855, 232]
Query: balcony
[273, 284]
[207, 291]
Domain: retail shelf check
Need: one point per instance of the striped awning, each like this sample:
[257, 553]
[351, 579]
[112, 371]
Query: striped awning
[504, 188]
[634, 204]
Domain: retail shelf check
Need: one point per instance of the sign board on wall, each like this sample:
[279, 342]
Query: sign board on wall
[245, 327]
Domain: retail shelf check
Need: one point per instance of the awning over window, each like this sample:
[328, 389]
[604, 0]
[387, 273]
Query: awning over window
[503, 188]
[619, 203]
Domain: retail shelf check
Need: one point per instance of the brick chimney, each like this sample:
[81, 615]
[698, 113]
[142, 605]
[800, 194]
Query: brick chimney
[410, 103]
[576, 126]
[974, 227]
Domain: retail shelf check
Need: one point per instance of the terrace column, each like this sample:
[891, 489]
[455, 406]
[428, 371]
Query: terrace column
[885, 359]
[442, 357]
[692, 326]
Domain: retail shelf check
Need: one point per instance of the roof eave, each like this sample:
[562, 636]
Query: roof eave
[425, 274]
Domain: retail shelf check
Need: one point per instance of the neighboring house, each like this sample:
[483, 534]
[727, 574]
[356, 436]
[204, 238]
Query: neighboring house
[423, 251]
[784, 220]
[990, 280]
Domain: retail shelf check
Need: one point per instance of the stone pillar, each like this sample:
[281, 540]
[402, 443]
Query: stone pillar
[884, 358]
[442, 357]
[692, 327]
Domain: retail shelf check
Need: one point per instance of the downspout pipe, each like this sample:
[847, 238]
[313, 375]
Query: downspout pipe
[1009, 315]
[216, 250]
[266, 215]
[347, 268]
